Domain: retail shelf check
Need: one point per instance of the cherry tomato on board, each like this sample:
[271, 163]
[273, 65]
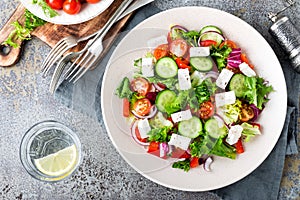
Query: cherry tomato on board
[93, 1]
[55, 4]
[140, 85]
[72, 7]
[179, 47]
[161, 51]
[142, 106]
[206, 110]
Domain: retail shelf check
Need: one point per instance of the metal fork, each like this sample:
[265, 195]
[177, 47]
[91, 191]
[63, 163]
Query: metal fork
[90, 54]
[69, 42]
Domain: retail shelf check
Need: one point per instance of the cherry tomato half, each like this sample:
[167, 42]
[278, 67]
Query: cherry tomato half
[206, 110]
[72, 7]
[92, 1]
[161, 51]
[246, 113]
[229, 43]
[55, 4]
[140, 85]
[142, 106]
[179, 47]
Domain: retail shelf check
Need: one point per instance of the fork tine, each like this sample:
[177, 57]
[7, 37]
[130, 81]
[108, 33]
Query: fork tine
[85, 66]
[53, 51]
[75, 67]
[85, 70]
[56, 75]
[56, 55]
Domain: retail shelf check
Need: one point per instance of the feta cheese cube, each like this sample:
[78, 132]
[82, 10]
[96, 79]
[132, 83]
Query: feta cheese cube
[144, 128]
[199, 51]
[182, 115]
[154, 42]
[224, 78]
[246, 69]
[180, 141]
[147, 67]
[235, 132]
[225, 98]
[184, 79]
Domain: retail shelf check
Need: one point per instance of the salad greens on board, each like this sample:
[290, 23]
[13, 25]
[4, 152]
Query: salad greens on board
[194, 96]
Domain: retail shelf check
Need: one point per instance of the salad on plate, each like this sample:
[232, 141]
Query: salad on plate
[194, 95]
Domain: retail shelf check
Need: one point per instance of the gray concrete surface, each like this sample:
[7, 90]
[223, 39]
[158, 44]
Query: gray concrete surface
[103, 174]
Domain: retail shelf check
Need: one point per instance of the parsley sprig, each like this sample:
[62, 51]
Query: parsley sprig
[21, 33]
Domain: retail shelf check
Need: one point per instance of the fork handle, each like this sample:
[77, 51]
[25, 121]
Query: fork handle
[102, 32]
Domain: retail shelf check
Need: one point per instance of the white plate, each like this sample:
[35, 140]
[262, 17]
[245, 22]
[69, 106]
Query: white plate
[224, 171]
[87, 12]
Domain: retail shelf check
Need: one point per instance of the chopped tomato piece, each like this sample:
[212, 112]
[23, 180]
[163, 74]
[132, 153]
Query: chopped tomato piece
[182, 64]
[239, 147]
[153, 146]
[142, 106]
[140, 85]
[126, 107]
[245, 59]
[206, 110]
[161, 51]
[208, 43]
[194, 162]
[229, 43]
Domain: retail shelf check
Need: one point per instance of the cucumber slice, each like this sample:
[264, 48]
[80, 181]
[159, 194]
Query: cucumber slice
[210, 28]
[166, 67]
[190, 128]
[202, 64]
[164, 98]
[212, 35]
[237, 84]
[211, 126]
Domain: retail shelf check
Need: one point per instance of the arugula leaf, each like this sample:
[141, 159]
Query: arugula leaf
[21, 33]
[257, 91]
[220, 55]
[202, 93]
[159, 134]
[222, 149]
[32, 21]
[184, 164]
[123, 90]
[48, 11]
[169, 83]
[191, 37]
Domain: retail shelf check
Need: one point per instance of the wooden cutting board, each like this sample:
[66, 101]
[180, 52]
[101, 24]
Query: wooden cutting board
[52, 33]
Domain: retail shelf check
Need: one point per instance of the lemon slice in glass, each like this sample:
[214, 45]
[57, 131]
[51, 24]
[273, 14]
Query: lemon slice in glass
[59, 163]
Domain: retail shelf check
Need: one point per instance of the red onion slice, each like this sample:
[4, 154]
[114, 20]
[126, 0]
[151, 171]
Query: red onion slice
[211, 74]
[133, 135]
[207, 163]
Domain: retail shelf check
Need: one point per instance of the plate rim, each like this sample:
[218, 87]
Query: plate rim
[250, 170]
[32, 8]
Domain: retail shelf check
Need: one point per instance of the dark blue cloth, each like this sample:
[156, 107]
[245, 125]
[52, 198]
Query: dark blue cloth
[263, 183]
